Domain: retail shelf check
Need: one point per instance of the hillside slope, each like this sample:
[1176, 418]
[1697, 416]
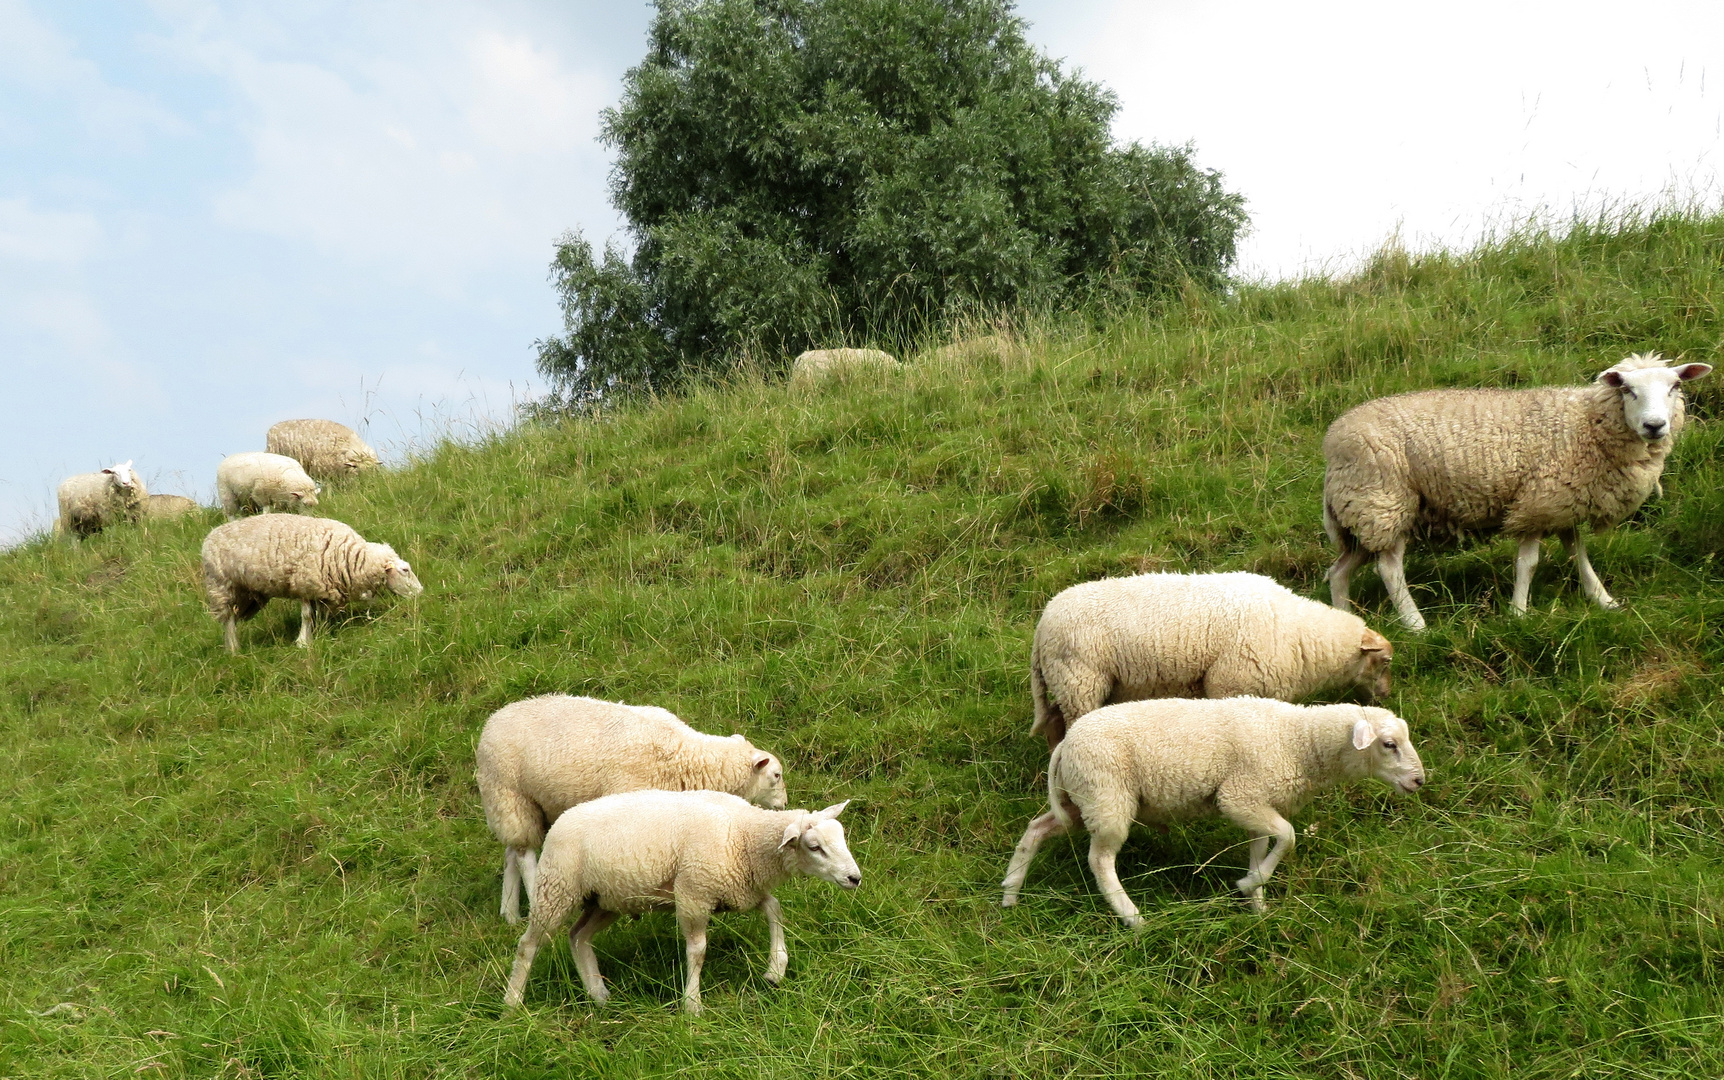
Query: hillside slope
[275, 865]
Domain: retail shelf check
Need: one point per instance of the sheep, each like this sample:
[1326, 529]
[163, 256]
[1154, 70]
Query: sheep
[818, 364]
[327, 450]
[90, 502]
[260, 481]
[1524, 462]
[1193, 635]
[169, 507]
[540, 756]
[1000, 347]
[312, 560]
[1254, 761]
[694, 851]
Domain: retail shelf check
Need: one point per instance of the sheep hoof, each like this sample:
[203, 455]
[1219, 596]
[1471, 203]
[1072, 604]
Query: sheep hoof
[1258, 904]
[1133, 921]
[1008, 901]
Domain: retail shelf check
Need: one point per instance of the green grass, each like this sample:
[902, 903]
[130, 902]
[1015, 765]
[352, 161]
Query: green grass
[275, 864]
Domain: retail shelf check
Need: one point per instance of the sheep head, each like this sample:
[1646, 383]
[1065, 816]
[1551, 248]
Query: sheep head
[766, 781]
[1387, 746]
[1649, 392]
[816, 842]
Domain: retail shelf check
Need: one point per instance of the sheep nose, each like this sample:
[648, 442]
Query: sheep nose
[853, 880]
[1654, 428]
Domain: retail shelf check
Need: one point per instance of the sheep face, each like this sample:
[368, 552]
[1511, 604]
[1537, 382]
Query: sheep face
[398, 578]
[1383, 738]
[1649, 394]
[767, 785]
[817, 844]
[1370, 670]
[121, 476]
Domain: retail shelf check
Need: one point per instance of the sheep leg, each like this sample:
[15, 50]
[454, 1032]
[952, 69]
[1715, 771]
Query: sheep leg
[1040, 829]
[1103, 850]
[511, 886]
[524, 953]
[304, 639]
[529, 874]
[1259, 847]
[1263, 824]
[1392, 569]
[1341, 575]
[1525, 560]
[692, 922]
[230, 633]
[780, 961]
[591, 922]
[1589, 583]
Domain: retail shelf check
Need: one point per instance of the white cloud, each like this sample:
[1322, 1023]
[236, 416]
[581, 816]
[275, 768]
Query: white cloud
[1345, 121]
[431, 155]
[39, 60]
[46, 236]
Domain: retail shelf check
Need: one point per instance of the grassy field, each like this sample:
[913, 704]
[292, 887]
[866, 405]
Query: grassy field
[274, 864]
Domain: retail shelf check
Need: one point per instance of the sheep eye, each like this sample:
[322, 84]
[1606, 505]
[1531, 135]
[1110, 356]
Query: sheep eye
[1629, 390]
[812, 846]
[1389, 744]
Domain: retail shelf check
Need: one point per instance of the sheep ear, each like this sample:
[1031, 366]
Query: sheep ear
[1611, 378]
[1375, 642]
[792, 835]
[1693, 371]
[763, 761]
[834, 810]
[1363, 733]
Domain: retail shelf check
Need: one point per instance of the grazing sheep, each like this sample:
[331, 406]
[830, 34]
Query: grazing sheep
[1193, 635]
[1253, 761]
[312, 560]
[820, 363]
[695, 851]
[327, 450]
[257, 482]
[168, 507]
[90, 502]
[1526, 462]
[538, 757]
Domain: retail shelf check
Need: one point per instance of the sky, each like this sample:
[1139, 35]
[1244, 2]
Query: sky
[216, 214]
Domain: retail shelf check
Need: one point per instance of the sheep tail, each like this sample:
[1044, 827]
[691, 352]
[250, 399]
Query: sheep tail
[1039, 693]
[1059, 799]
[1339, 534]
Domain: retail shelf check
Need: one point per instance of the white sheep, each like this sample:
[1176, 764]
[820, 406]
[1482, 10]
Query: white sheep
[326, 449]
[1001, 347]
[312, 560]
[90, 502]
[1254, 761]
[818, 364]
[694, 851]
[1193, 635]
[538, 757]
[257, 481]
[1524, 462]
[169, 507]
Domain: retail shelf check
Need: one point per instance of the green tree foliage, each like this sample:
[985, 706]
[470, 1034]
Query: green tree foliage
[802, 172]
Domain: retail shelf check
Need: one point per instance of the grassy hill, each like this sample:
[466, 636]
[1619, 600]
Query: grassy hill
[275, 865]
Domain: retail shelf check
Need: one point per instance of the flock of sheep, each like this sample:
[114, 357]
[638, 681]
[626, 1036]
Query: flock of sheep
[1162, 697]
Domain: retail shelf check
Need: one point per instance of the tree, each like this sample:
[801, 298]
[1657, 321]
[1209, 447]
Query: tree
[816, 172]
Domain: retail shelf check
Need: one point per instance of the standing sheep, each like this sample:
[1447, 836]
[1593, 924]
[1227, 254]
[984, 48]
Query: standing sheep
[816, 364]
[327, 450]
[538, 757]
[1253, 761]
[259, 482]
[1526, 462]
[312, 560]
[90, 502]
[1193, 635]
[694, 851]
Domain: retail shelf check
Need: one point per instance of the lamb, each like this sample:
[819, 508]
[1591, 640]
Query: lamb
[90, 502]
[169, 507]
[312, 560]
[540, 756]
[1252, 760]
[327, 450]
[695, 851]
[818, 364]
[1524, 462]
[259, 482]
[1193, 635]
